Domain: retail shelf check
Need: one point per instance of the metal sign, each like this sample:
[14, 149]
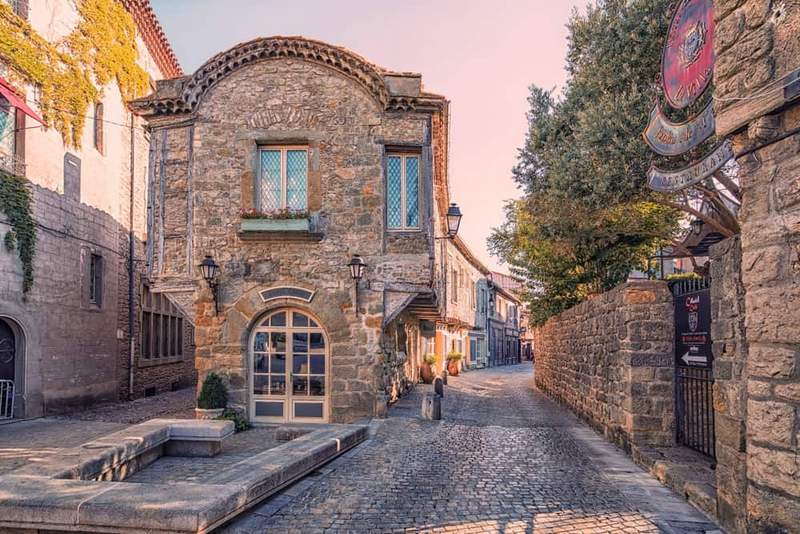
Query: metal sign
[687, 64]
[673, 139]
[669, 181]
[693, 329]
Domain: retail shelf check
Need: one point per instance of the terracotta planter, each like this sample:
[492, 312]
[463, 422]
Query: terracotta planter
[453, 367]
[200, 413]
[426, 373]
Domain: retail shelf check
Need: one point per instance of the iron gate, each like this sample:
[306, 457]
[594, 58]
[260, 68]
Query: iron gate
[694, 412]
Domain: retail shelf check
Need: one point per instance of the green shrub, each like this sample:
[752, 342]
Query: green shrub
[682, 276]
[239, 422]
[453, 355]
[214, 394]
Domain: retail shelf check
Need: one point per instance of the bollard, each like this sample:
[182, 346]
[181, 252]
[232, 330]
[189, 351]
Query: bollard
[444, 376]
[431, 407]
[438, 386]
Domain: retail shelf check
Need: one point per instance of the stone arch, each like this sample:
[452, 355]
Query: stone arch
[339, 59]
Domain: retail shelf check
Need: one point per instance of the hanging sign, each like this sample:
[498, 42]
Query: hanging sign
[668, 181]
[673, 139]
[687, 64]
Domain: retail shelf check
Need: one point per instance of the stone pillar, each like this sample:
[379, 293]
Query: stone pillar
[757, 105]
[730, 383]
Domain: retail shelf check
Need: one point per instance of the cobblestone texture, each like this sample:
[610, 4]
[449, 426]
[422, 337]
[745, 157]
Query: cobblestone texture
[504, 459]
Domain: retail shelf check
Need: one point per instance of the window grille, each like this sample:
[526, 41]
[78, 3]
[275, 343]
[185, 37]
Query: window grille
[162, 327]
[283, 179]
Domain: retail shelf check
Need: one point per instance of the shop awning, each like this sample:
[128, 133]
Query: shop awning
[10, 94]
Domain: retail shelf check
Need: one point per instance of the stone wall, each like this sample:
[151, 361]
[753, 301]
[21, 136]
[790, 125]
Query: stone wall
[757, 54]
[730, 384]
[610, 360]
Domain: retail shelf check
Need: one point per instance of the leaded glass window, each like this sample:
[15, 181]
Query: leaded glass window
[283, 179]
[402, 192]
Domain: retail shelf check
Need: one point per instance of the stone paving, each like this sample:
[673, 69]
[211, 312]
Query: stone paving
[504, 459]
[25, 441]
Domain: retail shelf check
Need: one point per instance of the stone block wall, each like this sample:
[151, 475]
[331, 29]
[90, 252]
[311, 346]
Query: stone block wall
[757, 106]
[730, 384]
[610, 360]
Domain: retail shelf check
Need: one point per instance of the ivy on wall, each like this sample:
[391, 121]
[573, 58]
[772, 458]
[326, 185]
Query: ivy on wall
[15, 202]
[101, 48]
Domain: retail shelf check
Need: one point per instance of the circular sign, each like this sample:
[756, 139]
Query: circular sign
[687, 65]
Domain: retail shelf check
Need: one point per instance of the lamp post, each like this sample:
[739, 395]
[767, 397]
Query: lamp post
[210, 270]
[357, 266]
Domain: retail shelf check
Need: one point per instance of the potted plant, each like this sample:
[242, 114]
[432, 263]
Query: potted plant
[213, 398]
[454, 363]
[426, 369]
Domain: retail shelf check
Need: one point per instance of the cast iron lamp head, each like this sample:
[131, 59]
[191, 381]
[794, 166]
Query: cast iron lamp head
[453, 219]
[210, 270]
[697, 226]
[357, 266]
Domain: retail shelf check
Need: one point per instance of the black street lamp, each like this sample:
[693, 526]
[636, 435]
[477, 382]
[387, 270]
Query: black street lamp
[357, 266]
[453, 220]
[210, 271]
[697, 226]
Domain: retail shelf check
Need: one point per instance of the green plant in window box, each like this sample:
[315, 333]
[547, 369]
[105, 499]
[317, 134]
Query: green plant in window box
[682, 276]
[284, 220]
[213, 398]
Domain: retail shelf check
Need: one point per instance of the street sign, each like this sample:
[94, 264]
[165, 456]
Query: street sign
[687, 63]
[693, 329]
[673, 139]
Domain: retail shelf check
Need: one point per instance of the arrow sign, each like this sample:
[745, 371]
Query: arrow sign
[689, 360]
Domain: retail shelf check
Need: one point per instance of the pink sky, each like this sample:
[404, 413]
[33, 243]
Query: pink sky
[481, 55]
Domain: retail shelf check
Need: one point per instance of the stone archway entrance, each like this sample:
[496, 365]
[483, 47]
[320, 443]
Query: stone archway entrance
[289, 369]
[8, 369]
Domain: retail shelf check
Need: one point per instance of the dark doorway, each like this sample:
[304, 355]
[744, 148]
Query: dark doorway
[8, 351]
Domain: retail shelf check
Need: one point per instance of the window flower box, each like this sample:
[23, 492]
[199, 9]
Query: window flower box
[275, 225]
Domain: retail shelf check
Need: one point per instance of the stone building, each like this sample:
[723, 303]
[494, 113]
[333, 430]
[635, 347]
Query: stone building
[462, 326]
[282, 159]
[67, 342]
[503, 325]
[757, 325]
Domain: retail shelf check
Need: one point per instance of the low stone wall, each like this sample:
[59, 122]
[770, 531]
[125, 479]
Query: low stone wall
[610, 359]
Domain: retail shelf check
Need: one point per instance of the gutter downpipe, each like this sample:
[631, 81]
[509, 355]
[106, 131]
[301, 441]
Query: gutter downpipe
[131, 251]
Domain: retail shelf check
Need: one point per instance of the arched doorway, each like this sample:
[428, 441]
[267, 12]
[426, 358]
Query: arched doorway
[8, 370]
[289, 369]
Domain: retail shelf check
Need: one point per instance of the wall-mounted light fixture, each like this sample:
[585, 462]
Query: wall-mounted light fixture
[697, 226]
[453, 220]
[210, 271]
[357, 266]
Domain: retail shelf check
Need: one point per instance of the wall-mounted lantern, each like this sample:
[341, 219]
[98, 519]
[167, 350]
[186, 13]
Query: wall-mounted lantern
[357, 266]
[210, 271]
[453, 220]
[697, 226]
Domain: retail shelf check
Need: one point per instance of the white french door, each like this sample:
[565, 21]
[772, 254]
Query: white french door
[289, 369]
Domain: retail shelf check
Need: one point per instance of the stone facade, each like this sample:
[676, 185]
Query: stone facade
[610, 360]
[87, 201]
[756, 104]
[348, 115]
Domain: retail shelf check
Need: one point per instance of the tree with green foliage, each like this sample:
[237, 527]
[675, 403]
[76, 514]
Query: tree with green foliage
[587, 217]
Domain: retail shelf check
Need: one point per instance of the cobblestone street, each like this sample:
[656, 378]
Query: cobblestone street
[504, 459]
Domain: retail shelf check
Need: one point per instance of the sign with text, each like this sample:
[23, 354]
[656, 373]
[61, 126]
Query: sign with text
[673, 139]
[693, 329]
[687, 64]
[668, 181]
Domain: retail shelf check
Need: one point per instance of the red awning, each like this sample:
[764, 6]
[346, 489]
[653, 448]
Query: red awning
[15, 100]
